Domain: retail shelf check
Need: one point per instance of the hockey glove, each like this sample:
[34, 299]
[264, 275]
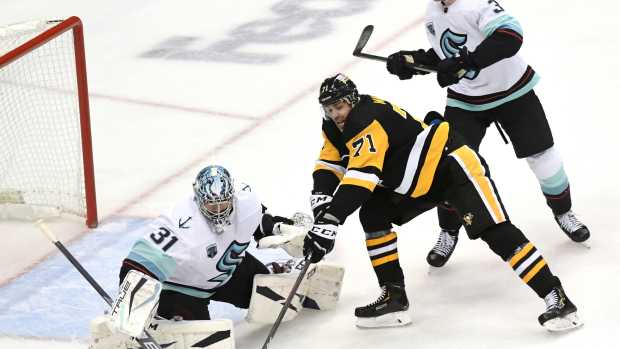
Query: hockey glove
[321, 238]
[397, 63]
[319, 203]
[270, 225]
[451, 70]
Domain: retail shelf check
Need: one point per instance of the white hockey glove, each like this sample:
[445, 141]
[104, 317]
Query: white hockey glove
[137, 301]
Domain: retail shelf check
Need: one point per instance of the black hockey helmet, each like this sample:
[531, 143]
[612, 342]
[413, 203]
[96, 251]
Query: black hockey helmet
[336, 88]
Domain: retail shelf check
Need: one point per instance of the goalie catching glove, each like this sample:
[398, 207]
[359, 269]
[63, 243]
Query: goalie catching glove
[287, 233]
[321, 238]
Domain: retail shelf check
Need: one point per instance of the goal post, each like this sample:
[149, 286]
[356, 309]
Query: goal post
[46, 158]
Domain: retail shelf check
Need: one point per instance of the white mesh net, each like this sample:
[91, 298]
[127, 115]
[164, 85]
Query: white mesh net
[40, 141]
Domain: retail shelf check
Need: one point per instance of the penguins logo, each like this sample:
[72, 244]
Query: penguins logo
[468, 218]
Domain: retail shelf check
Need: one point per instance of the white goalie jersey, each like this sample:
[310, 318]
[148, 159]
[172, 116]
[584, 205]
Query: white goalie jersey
[466, 24]
[183, 251]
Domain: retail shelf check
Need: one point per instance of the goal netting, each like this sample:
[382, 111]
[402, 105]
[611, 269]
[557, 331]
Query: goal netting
[46, 165]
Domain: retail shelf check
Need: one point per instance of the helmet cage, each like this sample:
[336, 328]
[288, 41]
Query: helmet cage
[213, 193]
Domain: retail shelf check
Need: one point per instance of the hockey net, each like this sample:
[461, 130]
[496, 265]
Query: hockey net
[46, 165]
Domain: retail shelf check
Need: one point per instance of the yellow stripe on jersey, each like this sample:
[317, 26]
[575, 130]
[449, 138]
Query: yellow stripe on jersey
[368, 147]
[320, 166]
[433, 155]
[517, 257]
[374, 242]
[329, 152]
[472, 166]
[534, 271]
[379, 261]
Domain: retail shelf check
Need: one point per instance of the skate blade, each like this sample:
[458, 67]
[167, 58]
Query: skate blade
[434, 270]
[585, 244]
[567, 323]
[397, 319]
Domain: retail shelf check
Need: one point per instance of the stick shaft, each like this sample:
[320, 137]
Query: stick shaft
[106, 297]
[146, 343]
[384, 59]
[287, 303]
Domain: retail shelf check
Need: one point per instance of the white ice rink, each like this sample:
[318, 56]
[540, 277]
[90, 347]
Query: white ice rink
[176, 85]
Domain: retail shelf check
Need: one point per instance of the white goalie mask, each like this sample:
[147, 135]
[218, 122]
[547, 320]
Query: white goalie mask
[213, 193]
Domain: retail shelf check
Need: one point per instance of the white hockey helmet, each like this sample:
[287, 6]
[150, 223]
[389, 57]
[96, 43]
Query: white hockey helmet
[213, 193]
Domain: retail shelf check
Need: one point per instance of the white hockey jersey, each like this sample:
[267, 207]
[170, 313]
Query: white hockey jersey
[185, 253]
[468, 23]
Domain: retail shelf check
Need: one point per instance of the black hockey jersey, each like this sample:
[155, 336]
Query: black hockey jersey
[381, 144]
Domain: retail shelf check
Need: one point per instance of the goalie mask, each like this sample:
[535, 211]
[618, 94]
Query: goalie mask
[213, 193]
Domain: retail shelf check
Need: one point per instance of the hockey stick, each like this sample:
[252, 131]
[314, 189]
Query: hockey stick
[365, 36]
[363, 40]
[287, 303]
[146, 343]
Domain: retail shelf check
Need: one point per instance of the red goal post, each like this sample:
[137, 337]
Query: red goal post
[46, 158]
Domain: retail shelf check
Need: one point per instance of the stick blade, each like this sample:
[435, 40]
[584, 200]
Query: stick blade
[46, 230]
[363, 40]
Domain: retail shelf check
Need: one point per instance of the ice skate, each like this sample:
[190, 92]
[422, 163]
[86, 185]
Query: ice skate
[389, 310]
[441, 252]
[572, 227]
[561, 313]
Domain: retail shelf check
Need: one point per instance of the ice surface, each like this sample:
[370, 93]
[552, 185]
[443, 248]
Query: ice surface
[177, 85]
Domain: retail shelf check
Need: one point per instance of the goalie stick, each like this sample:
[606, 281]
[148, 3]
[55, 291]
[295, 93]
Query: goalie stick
[363, 40]
[287, 303]
[146, 343]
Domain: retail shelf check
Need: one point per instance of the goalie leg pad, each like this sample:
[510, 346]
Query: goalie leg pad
[319, 290]
[137, 300]
[191, 334]
[325, 283]
[269, 294]
[211, 334]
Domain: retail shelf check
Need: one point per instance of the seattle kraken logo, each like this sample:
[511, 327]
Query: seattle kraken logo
[451, 43]
[229, 261]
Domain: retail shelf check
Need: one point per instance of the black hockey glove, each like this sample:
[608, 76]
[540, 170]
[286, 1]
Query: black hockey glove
[397, 63]
[321, 238]
[433, 117]
[451, 70]
[269, 225]
[319, 203]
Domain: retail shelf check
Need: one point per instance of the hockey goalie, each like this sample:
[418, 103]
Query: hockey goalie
[195, 253]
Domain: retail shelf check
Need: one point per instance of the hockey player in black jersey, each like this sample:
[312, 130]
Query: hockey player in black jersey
[393, 167]
[496, 88]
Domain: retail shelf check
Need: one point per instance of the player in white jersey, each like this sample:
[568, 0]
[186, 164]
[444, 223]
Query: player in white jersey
[480, 38]
[198, 248]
